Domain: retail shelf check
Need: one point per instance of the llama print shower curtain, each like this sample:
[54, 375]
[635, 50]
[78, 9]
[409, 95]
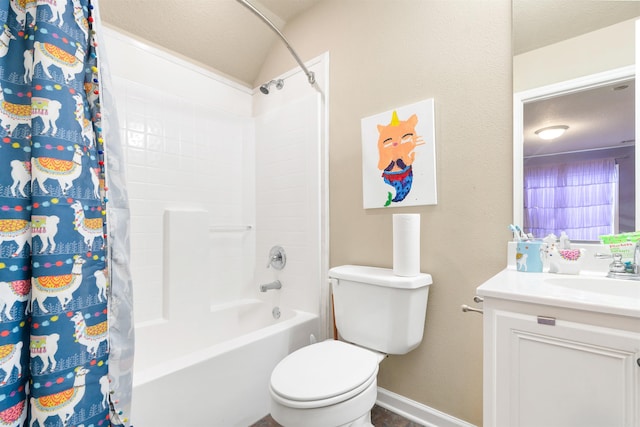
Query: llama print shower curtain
[54, 311]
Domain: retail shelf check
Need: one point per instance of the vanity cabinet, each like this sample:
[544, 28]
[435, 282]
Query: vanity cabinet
[547, 366]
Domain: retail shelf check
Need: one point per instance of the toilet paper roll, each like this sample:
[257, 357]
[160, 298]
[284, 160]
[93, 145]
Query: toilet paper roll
[406, 244]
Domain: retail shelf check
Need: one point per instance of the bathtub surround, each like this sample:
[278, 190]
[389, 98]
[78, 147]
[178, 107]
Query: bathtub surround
[171, 166]
[287, 203]
[270, 178]
[226, 175]
[291, 190]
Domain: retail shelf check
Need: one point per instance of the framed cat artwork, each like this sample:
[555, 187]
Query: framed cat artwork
[399, 157]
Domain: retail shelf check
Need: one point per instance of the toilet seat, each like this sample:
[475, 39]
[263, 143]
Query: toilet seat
[323, 374]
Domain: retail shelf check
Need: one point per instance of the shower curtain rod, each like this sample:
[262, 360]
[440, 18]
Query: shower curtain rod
[310, 76]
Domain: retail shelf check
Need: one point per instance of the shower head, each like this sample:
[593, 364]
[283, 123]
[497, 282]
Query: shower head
[265, 87]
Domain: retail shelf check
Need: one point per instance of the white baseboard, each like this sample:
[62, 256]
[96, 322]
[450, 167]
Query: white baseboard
[417, 412]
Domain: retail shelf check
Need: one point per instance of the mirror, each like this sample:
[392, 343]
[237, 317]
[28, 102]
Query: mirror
[566, 76]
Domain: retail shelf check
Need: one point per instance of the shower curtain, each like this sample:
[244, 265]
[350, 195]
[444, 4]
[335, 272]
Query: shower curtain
[66, 335]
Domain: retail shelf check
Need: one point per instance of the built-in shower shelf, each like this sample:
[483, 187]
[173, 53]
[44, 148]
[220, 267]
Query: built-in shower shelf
[229, 228]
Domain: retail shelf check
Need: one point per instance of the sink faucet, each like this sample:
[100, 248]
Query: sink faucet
[273, 285]
[618, 270]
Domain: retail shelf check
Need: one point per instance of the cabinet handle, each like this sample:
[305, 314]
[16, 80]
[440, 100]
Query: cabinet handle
[466, 308]
[546, 320]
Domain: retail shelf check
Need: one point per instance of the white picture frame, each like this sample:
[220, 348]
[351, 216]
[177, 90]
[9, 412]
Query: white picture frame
[399, 157]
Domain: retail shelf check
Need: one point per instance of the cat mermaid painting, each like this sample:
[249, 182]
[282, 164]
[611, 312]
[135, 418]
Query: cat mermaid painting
[399, 157]
[396, 144]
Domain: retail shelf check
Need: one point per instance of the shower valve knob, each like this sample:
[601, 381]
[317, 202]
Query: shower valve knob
[277, 258]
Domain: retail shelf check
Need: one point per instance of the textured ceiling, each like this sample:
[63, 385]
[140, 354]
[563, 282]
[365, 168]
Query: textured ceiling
[226, 36]
[220, 34]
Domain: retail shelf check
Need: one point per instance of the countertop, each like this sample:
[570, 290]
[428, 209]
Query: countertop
[591, 292]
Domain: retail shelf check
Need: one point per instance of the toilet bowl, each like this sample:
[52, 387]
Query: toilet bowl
[331, 383]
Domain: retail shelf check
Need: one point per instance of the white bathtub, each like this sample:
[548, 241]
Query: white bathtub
[213, 372]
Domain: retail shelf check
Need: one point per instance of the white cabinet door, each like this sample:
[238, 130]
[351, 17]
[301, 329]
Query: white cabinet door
[563, 375]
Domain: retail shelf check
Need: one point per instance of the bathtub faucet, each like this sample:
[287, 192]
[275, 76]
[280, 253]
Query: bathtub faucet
[273, 285]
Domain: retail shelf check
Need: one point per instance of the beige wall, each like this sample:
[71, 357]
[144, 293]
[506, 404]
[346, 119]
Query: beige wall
[385, 54]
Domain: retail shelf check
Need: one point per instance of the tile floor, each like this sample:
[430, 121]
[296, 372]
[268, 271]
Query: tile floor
[380, 417]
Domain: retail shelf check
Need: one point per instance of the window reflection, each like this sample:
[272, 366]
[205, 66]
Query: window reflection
[578, 197]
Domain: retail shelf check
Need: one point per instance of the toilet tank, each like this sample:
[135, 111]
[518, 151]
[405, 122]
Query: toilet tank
[378, 310]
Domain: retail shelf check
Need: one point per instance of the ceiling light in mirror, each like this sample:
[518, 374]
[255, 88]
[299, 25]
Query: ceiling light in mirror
[551, 132]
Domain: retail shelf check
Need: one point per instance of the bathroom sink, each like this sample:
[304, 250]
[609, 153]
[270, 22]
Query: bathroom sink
[598, 285]
[589, 292]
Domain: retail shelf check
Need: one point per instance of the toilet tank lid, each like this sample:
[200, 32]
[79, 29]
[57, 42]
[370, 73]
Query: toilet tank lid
[379, 276]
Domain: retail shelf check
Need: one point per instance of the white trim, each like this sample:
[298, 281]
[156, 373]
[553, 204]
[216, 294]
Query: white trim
[417, 412]
[172, 57]
[637, 58]
[578, 84]
[518, 161]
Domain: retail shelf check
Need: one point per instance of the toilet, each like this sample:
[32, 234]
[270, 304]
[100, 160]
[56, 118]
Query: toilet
[334, 383]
